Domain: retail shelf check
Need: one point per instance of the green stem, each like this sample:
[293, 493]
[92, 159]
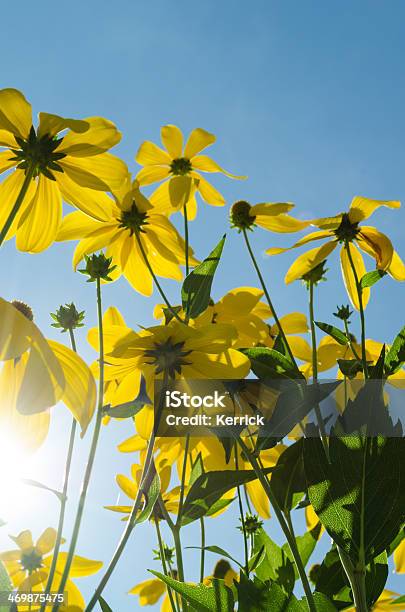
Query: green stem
[283, 524]
[131, 523]
[18, 203]
[153, 275]
[92, 453]
[202, 557]
[361, 309]
[163, 559]
[357, 581]
[62, 511]
[266, 293]
[241, 514]
[351, 346]
[318, 413]
[183, 478]
[186, 239]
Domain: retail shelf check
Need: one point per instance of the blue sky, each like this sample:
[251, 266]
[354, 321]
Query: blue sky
[306, 98]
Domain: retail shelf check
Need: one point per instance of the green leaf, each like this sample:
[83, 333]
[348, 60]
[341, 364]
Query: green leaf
[256, 558]
[376, 577]
[371, 278]
[350, 367]
[288, 478]
[151, 496]
[104, 605]
[334, 332]
[276, 564]
[398, 600]
[197, 469]
[217, 550]
[365, 479]
[215, 598]
[5, 585]
[196, 290]
[123, 411]
[322, 603]
[329, 577]
[269, 364]
[208, 489]
[395, 357]
[306, 544]
[259, 596]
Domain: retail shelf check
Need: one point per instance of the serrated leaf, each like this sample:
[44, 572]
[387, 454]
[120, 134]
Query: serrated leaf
[269, 364]
[334, 332]
[306, 544]
[215, 598]
[275, 564]
[322, 603]
[196, 289]
[208, 489]
[288, 479]
[259, 596]
[371, 278]
[395, 357]
[151, 496]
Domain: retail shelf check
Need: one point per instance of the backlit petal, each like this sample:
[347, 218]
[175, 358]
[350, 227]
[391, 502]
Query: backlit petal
[150, 154]
[104, 172]
[378, 243]
[397, 267]
[294, 323]
[399, 558]
[46, 541]
[75, 226]
[80, 566]
[172, 139]
[304, 240]
[206, 164]
[309, 260]
[9, 190]
[93, 203]
[208, 192]
[198, 140]
[101, 136]
[15, 112]
[97, 240]
[53, 124]
[135, 270]
[5, 161]
[24, 540]
[281, 223]
[152, 174]
[348, 275]
[362, 208]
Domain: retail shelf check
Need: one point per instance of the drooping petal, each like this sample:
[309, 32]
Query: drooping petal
[46, 541]
[348, 275]
[104, 172]
[362, 208]
[281, 223]
[198, 140]
[75, 226]
[152, 174]
[135, 270]
[80, 391]
[397, 267]
[309, 260]
[40, 222]
[206, 164]
[150, 154]
[181, 189]
[100, 136]
[15, 112]
[304, 240]
[258, 498]
[208, 192]
[5, 161]
[53, 124]
[80, 565]
[328, 223]
[93, 203]
[9, 191]
[16, 332]
[172, 139]
[376, 244]
[94, 242]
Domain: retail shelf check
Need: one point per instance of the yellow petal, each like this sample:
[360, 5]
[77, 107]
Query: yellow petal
[97, 240]
[309, 260]
[104, 172]
[75, 226]
[15, 112]
[80, 392]
[9, 191]
[208, 192]
[53, 124]
[376, 244]
[7, 140]
[230, 364]
[129, 487]
[112, 316]
[397, 267]
[362, 208]
[328, 223]
[198, 140]
[270, 209]
[348, 275]
[300, 348]
[294, 323]
[40, 222]
[311, 518]
[5, 161]
[181, 189]
[135, 270]
[94, 203]
[16, 332]
[100, 136]
[399, 558]
[149, 591]
[46, 541]
[80, 566]
[24, 540]
[172, 139]
[152, 174]
[150, 154]
[304, 240]
[258, 498]
[132, 444]
[281, 223]
[206, 164]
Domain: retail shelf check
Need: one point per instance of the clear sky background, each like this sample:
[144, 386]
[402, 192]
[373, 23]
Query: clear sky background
[306, 98]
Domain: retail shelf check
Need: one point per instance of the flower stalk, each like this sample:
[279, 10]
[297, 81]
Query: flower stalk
[29, 175]
[361, 309]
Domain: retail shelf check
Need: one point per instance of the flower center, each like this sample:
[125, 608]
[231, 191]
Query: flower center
[180, 166]
[133, 219]
[168, 357]
[347, 231]
[24, 309]
[39, 153]
[31, 561]
[240, 216]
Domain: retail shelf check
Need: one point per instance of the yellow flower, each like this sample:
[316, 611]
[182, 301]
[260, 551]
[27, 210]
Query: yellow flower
[344, 228]
[35, 375]
[384, 603]
[52, 164]
[399, 558]
[180, 169]
[242, 307]
[268, 215]
[182, 350]
[129, 225]
[28, 567]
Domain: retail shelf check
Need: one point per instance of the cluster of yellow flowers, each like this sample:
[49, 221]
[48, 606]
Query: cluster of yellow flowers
[68, 160]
